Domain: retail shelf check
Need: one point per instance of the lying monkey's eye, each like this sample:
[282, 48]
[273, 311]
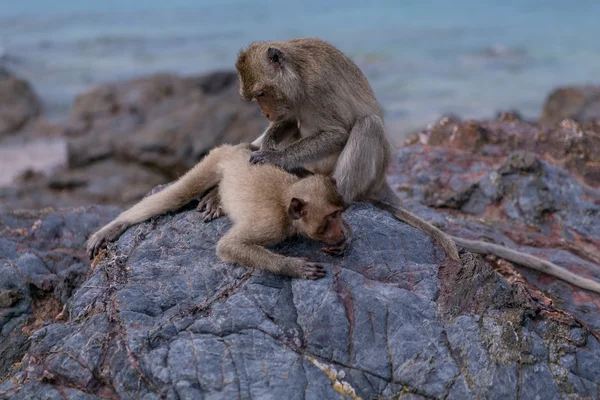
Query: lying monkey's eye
[259, 93]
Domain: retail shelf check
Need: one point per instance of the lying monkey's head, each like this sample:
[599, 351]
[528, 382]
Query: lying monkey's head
[316, 206]
[268, 76]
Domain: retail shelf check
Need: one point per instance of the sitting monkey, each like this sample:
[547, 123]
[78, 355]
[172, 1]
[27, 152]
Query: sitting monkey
[265, 203]
[325, 118]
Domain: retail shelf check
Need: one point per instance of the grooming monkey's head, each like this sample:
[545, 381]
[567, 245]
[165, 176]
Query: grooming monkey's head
[267, 75]
[316, 205]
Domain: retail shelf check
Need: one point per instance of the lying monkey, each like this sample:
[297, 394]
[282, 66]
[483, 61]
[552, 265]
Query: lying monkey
[324, 117]
[265, 203]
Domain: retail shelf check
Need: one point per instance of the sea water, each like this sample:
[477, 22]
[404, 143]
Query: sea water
[423, 58]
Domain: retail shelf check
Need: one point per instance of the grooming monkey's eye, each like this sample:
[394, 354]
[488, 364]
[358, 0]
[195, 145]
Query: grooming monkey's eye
[259, 93]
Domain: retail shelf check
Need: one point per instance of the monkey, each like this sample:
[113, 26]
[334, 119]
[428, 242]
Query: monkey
[265, 203]
[323, 116]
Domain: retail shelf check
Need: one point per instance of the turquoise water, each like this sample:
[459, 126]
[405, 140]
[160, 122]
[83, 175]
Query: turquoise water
[423, 59]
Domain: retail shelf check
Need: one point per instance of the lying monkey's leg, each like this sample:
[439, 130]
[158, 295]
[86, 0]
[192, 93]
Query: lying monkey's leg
[210, 205]
[235, 247]
[195, 182]
[527, 260]
[388, 200]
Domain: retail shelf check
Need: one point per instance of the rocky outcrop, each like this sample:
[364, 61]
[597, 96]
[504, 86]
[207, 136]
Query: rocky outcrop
[160, 317]
[579, 103]
[18, 103]
[123, 139]
[537, 200]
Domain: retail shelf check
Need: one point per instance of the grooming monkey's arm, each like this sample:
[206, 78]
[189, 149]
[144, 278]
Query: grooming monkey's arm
[277, 132]
[304, 151]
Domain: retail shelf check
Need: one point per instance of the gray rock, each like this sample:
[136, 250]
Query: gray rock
[159, 316]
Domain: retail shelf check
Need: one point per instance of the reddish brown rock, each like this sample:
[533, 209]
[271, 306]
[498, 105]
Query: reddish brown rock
[543, 201]
[579, 103]
[572, 145]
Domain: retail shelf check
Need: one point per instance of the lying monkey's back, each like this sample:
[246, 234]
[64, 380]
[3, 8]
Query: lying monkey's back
[251, 191]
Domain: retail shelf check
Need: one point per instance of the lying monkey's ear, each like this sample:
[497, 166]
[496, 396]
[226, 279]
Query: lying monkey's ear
[296, 208]
[275, 56]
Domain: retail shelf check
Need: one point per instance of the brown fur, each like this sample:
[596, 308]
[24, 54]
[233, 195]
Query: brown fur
[310, 84]
[265, 203]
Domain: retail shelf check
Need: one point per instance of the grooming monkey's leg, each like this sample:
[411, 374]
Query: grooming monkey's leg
[196, 181]
[236, 247]
[361, 170]
[364, 161]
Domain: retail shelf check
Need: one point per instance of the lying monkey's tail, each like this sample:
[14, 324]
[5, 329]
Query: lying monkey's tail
[406, 216]
[527, 260]
[203, 176]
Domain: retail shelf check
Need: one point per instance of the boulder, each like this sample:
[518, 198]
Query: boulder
[572, 145]
[42, 263]
[160, 317]
[578, 103]
[18, 103]
[125, 138]
[535, 201]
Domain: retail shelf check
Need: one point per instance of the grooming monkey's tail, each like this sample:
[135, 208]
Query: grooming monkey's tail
[527, 260]
[406, 216]
[448, 243]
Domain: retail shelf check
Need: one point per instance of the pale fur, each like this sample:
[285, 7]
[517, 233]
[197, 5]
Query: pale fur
[256, 199]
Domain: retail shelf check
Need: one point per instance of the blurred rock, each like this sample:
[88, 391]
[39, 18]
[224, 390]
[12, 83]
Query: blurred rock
[578, 103]
[126, 138]
[571, 145]
[18, 103]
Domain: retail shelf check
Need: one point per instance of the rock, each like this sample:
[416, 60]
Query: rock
[126, 138]
[160, 317]
[18, 103]
[42, 263]
[574, 146]
[578, 103]
[528, 200]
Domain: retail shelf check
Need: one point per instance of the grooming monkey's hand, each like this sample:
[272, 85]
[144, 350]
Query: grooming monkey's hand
[100, 239]
[300, 268]
[210, 206]
[264, 157]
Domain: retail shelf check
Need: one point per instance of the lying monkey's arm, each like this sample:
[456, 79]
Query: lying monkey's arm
[237, 248]
[308, 149]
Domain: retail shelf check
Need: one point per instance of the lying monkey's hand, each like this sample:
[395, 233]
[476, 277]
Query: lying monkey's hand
[210, 206]
[300, 268]
[263, 157]
[105, 235]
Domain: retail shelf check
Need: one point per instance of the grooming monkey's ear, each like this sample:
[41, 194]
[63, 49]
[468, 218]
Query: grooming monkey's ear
[296, 208]
[275, 56]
